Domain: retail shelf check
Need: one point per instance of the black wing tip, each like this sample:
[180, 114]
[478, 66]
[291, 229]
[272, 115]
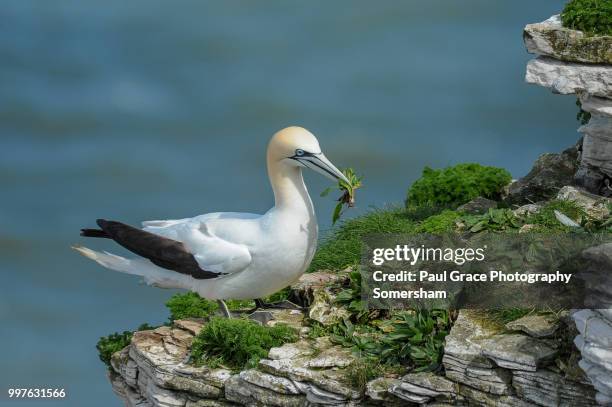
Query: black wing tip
[94, 233]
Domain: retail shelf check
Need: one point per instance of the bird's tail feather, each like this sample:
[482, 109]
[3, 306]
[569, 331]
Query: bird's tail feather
[151, 274]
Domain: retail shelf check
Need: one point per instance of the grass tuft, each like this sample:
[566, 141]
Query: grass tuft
[190, 305]
[342, 248]
[237, 343]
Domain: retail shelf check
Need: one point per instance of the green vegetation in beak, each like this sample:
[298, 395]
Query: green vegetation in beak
[348, 192]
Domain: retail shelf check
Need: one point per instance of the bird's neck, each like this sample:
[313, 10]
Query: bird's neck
[290, 192]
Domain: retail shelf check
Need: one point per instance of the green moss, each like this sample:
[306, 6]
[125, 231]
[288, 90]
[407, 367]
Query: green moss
[590, 16]
[441, 223]
[457, 185]
[342, 248]
[237, 343]
[190, 305]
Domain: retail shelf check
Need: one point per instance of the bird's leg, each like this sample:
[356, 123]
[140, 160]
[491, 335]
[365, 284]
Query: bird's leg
[284, 304]
[224, 309]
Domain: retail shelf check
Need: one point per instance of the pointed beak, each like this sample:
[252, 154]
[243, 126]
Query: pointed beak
[320, 164]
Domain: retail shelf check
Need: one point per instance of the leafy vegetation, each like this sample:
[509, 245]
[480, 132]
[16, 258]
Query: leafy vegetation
[457, 185]
[493, 220]
[350, 297]
[408, 338]
[107, 345]
[190, 305]
[590, 16]
[348, 192]
[237, 343]
[582, 116]
[546, 220]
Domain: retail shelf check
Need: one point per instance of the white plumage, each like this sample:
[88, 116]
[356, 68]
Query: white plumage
[244, 255]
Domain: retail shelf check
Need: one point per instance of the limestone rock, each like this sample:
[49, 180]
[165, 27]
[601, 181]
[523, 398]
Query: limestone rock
[476, 397]
[527, 209]
[596, 105]
[569, 78]
[317, 368]
[517, 352]
[478, 205]
[241, 391]
[463, 359]
[597, 143]
[600, 377]
[424, 387]
[549, 174]
[302, 291]
[550, 38]
[594, 205]
[154, 368]
[323, 309]
[377, 390]
[547, 388]
[537, 326]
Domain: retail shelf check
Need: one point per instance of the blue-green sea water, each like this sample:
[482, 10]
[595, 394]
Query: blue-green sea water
[151, 109]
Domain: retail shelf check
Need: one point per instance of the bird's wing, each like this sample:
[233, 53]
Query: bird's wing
[201, 218]
[184, 255]
[207, 237]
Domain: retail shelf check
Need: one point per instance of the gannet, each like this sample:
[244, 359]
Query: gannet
[230, 255]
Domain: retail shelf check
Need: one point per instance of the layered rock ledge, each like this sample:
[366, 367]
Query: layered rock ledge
[484, 365]
[570, 62]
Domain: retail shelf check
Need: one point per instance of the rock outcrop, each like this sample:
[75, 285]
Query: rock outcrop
[595, 327]
[551, 39]
[571, 62]
[548, 175]
[484, 364]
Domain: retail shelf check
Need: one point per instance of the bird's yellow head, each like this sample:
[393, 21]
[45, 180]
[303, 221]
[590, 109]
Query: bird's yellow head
[297, 147]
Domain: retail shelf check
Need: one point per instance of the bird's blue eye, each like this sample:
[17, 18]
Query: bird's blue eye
[299, 152]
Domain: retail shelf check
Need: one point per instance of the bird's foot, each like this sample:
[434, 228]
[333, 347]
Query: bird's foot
[284, 304]
[262, 317]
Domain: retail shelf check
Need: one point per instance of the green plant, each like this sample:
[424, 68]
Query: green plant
[457, 185]
[237, 343]
[417, 337]
[350, 297]
[414, 338]
[364, 369]
[494, 219]
[441, 223]
[546, 220]
[190, 305]
[582, 116]
[342, 247]
[107, 345]
[348, 192]
[590, 16]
